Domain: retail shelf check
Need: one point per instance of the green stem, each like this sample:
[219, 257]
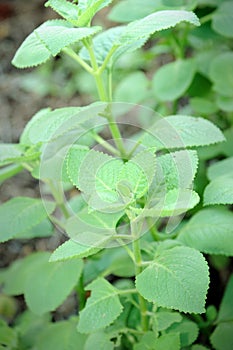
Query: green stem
[9, 171]
[138, 270]
[107, 59]
[153, 229]
[78, 59]
[127, 291]
[206, 18]
[105, 144]
[57, 222]
[81, 294]
[58, 196]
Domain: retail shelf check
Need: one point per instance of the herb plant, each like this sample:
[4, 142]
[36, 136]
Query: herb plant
[133, 255]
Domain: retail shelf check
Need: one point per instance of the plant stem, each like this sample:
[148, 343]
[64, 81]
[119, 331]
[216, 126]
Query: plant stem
[78, 59]
[81, 294]
[105, 144]
[138, 270]
[206, 18]
[58, 196]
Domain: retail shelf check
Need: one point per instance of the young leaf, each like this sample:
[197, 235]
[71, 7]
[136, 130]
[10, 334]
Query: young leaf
[66, 9]
[20, 214]
[49, 284]
[102, 307]
[179, 131]
[177, 169]
[94, 228]
[61, 335]
[222, 21]
[188, 331]
[171, 203]
[47, 41]
[71, 250]
[210, 231]
[219, 191]
[157, 21]
[178, 278]
[173, 79]
[89, 9]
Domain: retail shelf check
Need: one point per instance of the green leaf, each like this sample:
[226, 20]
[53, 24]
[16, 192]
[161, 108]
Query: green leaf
[199, 347]
[225, 103]
[171, 203]
[9, 171]
[71, 250]
[89, 9]
[178, 279]
[9, 153]
[222, 21]
[120, 13]
[138, 91]
[20, 214]
[188, 331]
[66, 9]
[99, 340]
[16, 275]
[165, 341]
[102, 307]
[179, 131]
[222, 337]
[172, 80]
[43, 229]
[203, 105]
[49, 284]
[210, 231]
[163, 319]
[92, 228]
[226, 308]
[157, 21]
[177, 169]
[61, 335]
[47, 41]
[221, 71]
[104, 42]
[219, 191]
[74, 158]
[8, 337]
[220, 168]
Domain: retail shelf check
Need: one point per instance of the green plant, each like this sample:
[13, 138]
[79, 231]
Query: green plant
[127, 243]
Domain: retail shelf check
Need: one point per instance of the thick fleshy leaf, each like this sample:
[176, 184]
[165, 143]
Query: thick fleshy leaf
[179, 131]
[71, 250]
[219, 191]
[102, 307]
[178, 278]
[221, 71]
[210, 231]
[49, 284]
[222, 21]
[173, 79]
[20, 214]
[47, 41]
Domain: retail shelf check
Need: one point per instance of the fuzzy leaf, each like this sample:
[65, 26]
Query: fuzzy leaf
[74, 158]
[171, 203]
[20, 214]
[66, 9]
[178, 279]
[222, 337]
[210, 231]
[173, 79]
[89, 9]
[219, 191]
[106, 41]
[47, 41]
[43, 229]
[99, 340]
[187, 329]
[220, 168]
[139, 88]
[157, 21]
[71, 250]
[93, 229]
[9, 153]
[61, 335]
[102, 307]
[179, 131]
[50, 284]
[221, 71]
[149, 341]
[177, 169]
[222, 21]
[9, 171]
[163, 319]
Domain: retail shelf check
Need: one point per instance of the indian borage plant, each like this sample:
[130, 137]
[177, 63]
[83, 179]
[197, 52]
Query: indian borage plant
[127, 187]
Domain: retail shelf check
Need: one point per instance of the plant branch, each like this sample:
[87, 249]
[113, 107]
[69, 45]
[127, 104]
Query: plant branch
[78, 59]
